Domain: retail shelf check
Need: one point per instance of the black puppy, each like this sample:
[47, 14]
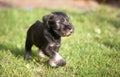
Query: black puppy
[47, 37]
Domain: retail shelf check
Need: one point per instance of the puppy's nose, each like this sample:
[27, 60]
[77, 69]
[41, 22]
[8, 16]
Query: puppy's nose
[70, 28]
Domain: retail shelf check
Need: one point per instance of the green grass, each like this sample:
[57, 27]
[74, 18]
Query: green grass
[93, 50]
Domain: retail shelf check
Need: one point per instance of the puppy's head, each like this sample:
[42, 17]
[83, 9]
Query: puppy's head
[59, 23]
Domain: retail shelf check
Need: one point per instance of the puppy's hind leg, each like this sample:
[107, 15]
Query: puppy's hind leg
[28, 46]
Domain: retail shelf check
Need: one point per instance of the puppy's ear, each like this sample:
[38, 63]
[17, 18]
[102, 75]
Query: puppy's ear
[48, 19]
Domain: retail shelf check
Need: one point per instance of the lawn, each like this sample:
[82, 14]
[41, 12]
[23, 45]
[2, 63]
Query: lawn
[93, 50]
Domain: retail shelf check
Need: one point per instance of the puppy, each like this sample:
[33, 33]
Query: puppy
[47, 35]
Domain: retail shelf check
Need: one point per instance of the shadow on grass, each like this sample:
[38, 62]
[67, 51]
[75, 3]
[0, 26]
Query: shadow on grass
[14, 50]
[19, 52]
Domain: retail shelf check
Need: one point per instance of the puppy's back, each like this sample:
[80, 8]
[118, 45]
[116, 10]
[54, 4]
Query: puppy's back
[35, 33]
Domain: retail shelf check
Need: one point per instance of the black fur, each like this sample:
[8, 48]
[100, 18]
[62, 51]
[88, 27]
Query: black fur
[47, 35]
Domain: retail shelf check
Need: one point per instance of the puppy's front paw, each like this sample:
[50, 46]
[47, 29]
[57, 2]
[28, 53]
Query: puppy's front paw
[27, 56]
[41, 54]
[57, 61]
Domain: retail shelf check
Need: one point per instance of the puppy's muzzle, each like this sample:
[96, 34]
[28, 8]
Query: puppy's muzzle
[68, 31]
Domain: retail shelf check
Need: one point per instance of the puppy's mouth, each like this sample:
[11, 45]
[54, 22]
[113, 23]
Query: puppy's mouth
[64, 33]
[67, 33]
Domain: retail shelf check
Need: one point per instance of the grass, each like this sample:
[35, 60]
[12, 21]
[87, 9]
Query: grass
[93, 50]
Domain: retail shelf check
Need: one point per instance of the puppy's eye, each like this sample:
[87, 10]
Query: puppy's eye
[66, 20]
[63, 20]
